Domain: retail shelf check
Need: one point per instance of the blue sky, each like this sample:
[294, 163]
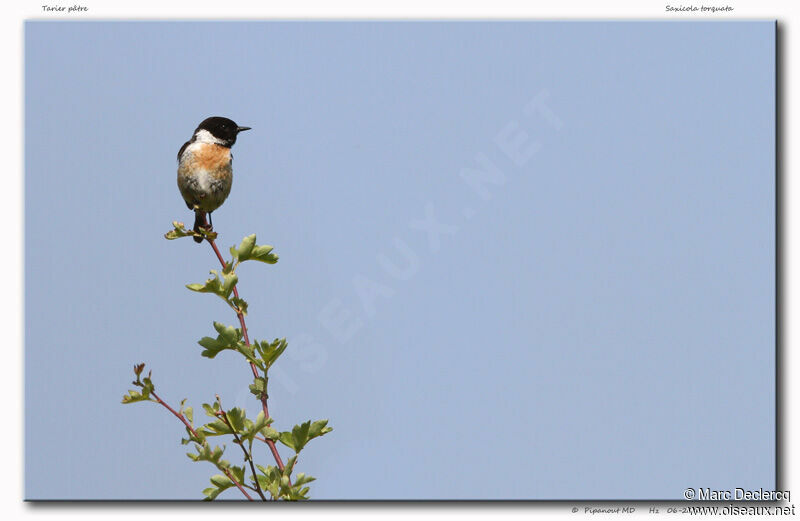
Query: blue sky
[518, 260]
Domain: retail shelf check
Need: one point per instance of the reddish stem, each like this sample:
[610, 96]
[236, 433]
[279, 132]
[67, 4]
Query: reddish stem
[182, 418]
[239, 314]
[224, 415]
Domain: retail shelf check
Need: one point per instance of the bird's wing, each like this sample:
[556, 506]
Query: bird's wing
[180, 152]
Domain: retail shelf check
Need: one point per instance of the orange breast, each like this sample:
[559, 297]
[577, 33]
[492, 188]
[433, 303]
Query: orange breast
[212, 158]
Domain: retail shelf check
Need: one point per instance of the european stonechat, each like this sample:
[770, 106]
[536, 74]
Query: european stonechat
[205, 173]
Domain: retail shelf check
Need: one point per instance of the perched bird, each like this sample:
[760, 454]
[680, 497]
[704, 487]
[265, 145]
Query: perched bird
[205, 173]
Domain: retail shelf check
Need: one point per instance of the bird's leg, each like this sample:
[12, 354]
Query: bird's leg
[204, 218]
[210, 224]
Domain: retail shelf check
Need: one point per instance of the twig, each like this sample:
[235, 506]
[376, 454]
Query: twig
[230, 477]
[182, 418]
[224, 415]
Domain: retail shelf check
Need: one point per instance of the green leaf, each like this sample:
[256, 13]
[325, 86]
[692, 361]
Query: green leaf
[212, 285]
[264, 254]
[221, 483]
[189, 413]
[215, 428]
[228, 268]
[302, 479]
[236, 417]
[135, 396]
[318, 428]
[213, 346]
[289, 467]
[271, 351]
[211, 410]
[249, 353]
[286, 439]
[303, 433]
[270, 480]
[199, 438]
[206, 453]
[298, 491]
[297, 494]
[228, 338]
[253, 428]
[249, 250]
[229, 281]
[219, 287]
[246, 247]
[239, 304]
[238, 473]
[229, 333]
[300, 435]
[270, 433]
[259, 385]
[179, 230]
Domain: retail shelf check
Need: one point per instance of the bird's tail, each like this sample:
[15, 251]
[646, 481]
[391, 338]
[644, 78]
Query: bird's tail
[199, 222]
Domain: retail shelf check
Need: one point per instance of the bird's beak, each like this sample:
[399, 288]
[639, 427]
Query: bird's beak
[242, 129]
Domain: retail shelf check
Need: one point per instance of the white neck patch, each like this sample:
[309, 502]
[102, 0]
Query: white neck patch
[204, 136]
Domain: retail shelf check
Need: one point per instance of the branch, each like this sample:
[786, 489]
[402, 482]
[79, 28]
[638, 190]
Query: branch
[182, 418]
[239, 314]
[224, 415]
[230, 477]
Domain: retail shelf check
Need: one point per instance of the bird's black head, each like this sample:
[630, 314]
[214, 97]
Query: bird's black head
[223, 130]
